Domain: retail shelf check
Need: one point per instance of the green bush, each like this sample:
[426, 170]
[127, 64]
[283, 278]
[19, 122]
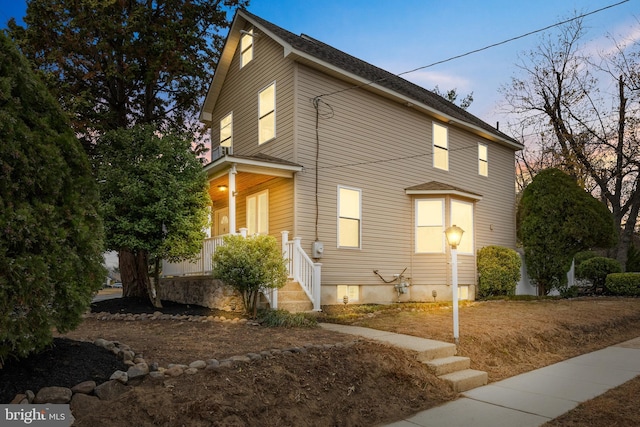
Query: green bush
[623, 284]
[284, 319]
[51, 232]
[633, 259]
[250, 264]
[583, 256]
[498, 271]
[596, 270]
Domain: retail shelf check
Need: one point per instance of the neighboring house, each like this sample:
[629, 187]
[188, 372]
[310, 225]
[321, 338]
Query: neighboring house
[364, 167]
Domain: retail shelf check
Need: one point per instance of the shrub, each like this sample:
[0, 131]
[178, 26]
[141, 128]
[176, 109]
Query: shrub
[284, 319]
[51, 232]
[250, 264]
[596, 270]
[583, 256]
[498, 271]
[623, 284]
[633, 259]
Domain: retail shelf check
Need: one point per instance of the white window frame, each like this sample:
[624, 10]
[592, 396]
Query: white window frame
[483, 159]
[440, 226]
[351, 291]
[254, 221]
[340, 217]
[228, 141]
[246, 47]
[269, 115]
[467, 243]
[440, 148]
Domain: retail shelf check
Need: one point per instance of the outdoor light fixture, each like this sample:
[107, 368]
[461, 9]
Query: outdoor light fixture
[454, 235]
[222, 187]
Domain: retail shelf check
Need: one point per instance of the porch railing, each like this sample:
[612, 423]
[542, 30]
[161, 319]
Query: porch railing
[301, 268]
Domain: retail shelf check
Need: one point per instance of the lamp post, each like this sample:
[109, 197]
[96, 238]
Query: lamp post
[454, 235]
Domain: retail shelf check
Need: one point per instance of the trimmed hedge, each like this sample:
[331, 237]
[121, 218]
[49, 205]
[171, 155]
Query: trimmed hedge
[596, 270]
[623, 284]
[498, 271]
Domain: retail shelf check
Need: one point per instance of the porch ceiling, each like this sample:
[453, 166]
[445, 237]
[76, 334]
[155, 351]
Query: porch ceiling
[244, 180]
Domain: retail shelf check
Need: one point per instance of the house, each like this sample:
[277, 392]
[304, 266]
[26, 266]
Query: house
[365, 169]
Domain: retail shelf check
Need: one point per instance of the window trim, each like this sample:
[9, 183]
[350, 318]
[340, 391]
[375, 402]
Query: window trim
[435, 146]
[250, 38]
[443, 201]
[230, 125]
[257, 195]
[481, 160]
[266, 114]
[339, 217]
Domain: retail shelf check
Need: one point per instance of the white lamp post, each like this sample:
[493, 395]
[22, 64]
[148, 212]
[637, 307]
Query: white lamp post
[454, 235]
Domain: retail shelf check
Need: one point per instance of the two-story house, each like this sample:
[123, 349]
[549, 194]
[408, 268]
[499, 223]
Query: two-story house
[364, 168]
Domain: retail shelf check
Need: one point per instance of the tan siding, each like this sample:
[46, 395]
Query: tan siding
[382, 147]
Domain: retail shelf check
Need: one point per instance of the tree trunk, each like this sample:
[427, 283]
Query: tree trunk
[134, 273]
[154, 286]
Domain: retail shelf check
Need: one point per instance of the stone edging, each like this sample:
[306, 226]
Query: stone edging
[160, 316]
[119, 382]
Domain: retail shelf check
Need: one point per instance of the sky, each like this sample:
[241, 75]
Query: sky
[402, 35]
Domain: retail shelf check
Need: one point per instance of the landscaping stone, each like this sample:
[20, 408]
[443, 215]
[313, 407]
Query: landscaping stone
[120, 376]
[111, 389]
[53, 395]
[85, 387]
[138, 370]
[198, 364]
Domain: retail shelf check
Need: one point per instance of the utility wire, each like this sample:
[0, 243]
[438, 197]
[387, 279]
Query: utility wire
[480, 49]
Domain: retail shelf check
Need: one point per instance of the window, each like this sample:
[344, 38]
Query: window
[349, 214]
[246, 47]
[258, 213]
[430, 226]
[267, 114]
[351, 292]
[483, 160]
[440, 147]
[462, 216]
[226, 131]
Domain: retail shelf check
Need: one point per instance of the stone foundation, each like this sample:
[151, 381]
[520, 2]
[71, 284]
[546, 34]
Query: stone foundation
[201, 290]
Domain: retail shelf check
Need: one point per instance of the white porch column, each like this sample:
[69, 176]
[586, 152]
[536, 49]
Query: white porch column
[232, 199]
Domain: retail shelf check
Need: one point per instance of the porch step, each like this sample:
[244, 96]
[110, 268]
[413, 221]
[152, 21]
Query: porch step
[448, 365]
[436, 350]
[292, 298]
[466, 379]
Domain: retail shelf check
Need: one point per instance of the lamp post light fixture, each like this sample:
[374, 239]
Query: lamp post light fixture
[454, 235]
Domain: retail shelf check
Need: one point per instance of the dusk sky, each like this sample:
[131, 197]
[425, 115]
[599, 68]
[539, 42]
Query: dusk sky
[401, 35]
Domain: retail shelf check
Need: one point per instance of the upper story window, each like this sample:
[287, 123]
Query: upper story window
[267, 114]
[440, 147]
[246, 47]
[349, 217]
[483, 159]
[226, 131]
[430, 225]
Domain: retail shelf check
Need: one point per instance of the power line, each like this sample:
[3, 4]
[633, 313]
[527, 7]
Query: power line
[557, 24]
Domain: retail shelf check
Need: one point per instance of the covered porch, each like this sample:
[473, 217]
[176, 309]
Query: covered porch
[253, 195]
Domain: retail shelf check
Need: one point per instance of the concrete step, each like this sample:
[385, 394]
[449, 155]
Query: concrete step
[291, 285]
[447, 365]
[295, 306]
[435, 350]
[465, 380]
[292, 295]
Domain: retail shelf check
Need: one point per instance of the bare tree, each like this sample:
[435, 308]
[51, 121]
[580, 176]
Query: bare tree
[579, 111]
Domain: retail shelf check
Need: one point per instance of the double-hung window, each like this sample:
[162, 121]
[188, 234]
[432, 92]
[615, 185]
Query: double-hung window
[226, 132]
[462, 216]
[267, 114]
[258, 213]
[440, 147]
[483, 159]
[246, 47]
[430, 226]
[349, 217]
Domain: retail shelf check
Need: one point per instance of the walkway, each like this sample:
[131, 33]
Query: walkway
[527, 400]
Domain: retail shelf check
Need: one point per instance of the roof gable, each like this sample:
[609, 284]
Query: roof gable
[360, 73]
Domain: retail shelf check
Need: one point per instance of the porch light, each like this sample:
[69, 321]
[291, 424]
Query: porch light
[222, 188]
[454, 235]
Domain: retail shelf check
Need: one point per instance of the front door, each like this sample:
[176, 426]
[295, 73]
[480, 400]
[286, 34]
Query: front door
[222, 222]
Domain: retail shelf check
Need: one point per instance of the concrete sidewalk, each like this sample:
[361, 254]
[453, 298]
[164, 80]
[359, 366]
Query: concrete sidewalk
[526, 400]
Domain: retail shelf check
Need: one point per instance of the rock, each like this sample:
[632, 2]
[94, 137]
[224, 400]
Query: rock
[153, 366]
[111, 389]
[156, 375]
[138, 370]
[120, 376]
[190, 371]
[240, 359]
[254, 356]
[30, 395]
[19, 399]
[174, 371]
[85, 387]
[198, 364]
[226, 363]
[53, 395]
[83, 404]
[212, 363]
[126, 355]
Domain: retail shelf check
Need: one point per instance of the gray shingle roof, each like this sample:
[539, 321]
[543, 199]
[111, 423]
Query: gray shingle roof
[371, 73]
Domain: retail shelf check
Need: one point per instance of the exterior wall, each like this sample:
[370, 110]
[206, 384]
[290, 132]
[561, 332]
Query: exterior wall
[203, 291]
[382, 147]
[240, 95]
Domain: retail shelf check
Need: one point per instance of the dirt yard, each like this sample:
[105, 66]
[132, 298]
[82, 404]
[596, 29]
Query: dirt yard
[356, 383]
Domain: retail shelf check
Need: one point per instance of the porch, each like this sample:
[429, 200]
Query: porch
[300, 267]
